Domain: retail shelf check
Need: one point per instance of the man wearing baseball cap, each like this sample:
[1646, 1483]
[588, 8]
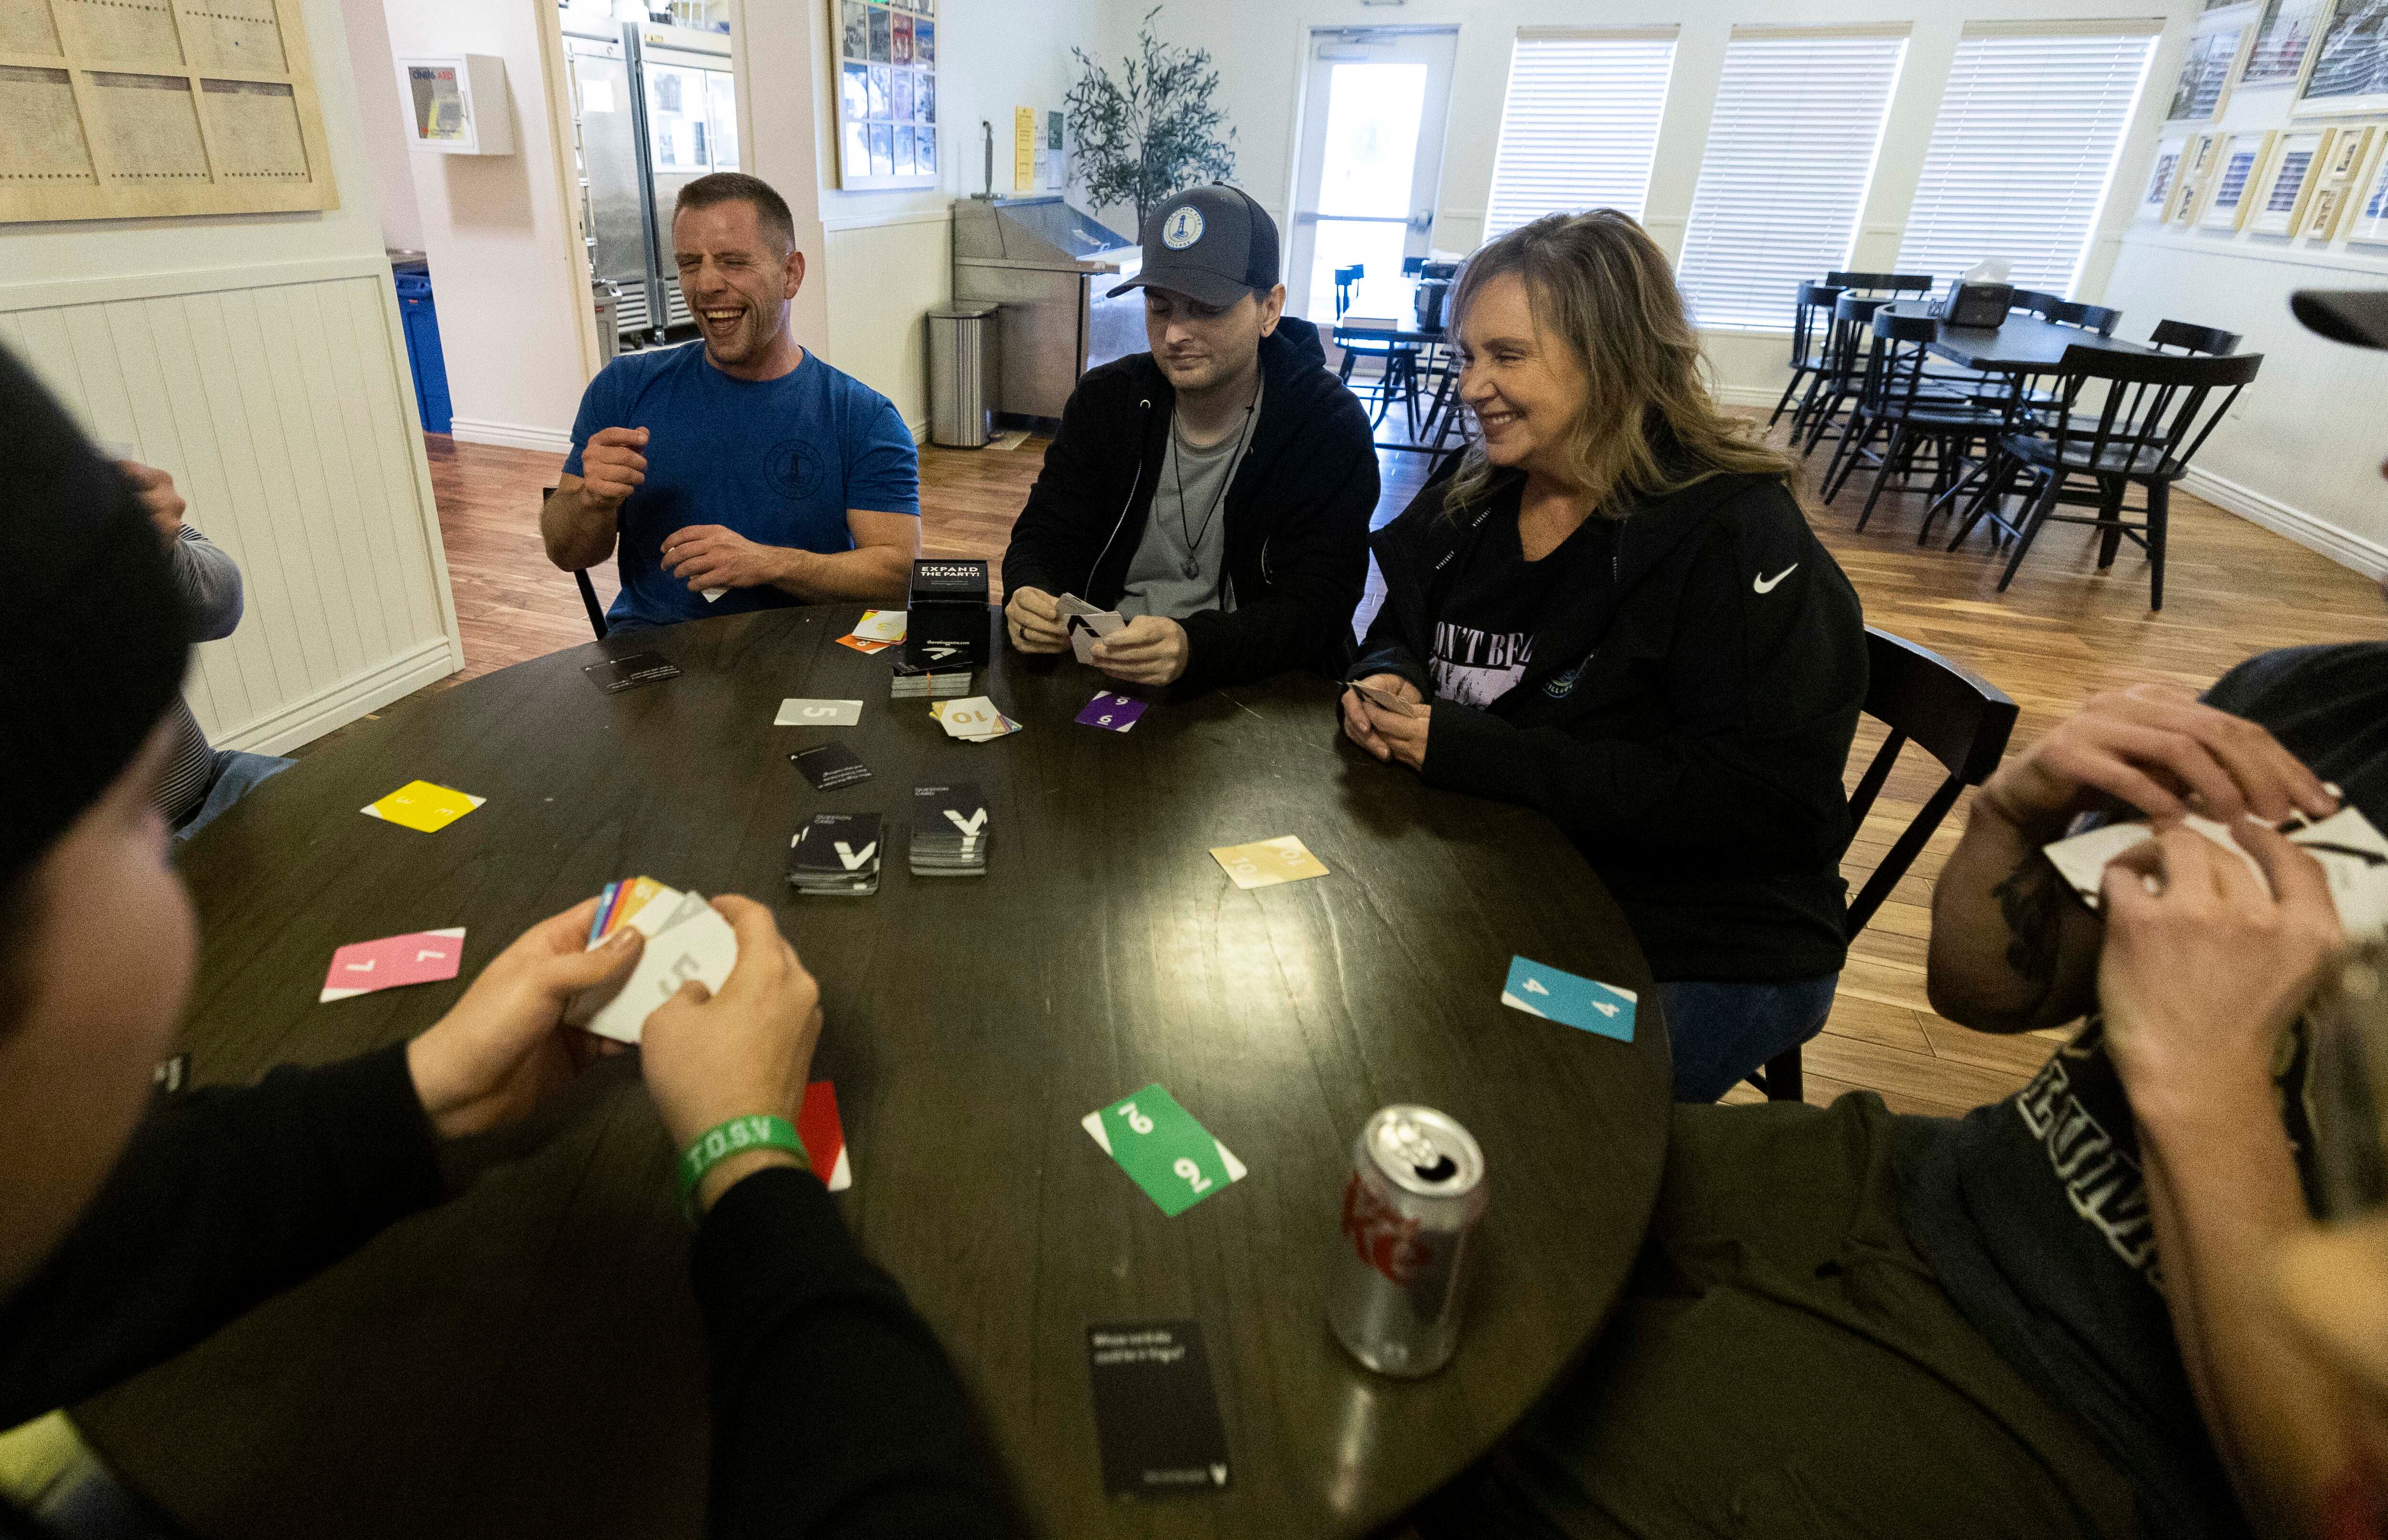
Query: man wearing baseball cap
[1216, 491]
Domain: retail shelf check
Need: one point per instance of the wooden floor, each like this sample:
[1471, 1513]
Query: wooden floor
[2062, 634]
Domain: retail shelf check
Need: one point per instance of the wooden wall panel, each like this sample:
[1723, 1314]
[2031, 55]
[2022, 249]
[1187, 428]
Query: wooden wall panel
[283, 413]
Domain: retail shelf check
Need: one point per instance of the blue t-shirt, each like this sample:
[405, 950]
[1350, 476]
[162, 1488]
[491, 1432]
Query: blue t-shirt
[778, 462]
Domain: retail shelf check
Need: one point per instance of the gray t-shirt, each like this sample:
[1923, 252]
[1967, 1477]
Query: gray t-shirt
[1180, 566]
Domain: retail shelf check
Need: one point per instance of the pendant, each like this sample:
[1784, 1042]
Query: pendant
[1193, 572]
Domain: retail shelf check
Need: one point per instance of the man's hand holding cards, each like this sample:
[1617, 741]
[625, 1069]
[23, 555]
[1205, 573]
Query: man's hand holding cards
[686, 939]
[1087, 625]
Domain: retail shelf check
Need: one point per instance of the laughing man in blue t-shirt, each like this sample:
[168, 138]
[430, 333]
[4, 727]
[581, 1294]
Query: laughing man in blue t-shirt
[746, 474]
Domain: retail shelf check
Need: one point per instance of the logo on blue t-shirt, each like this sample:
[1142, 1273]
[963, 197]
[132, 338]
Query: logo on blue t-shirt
[793, 469]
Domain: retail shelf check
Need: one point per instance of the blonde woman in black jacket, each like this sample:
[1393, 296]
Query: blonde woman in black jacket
[1610, 607]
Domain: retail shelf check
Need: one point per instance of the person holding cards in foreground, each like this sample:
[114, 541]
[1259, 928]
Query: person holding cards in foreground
[743, 474]
[127, 1235]
[1610, 607]
[2089, 1310]
[1206, 501]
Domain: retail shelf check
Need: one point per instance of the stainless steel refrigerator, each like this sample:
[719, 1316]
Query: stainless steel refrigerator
[653, 108]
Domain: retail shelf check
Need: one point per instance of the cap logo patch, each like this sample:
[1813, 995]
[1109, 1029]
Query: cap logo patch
[1182, 228]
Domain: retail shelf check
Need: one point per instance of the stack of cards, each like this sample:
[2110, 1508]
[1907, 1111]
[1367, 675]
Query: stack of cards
[974, 720]
[685, 940]
[949, 830]
[1086, 625]
[837, 854]
[2353, 853]
[913, 683]
[876, 631]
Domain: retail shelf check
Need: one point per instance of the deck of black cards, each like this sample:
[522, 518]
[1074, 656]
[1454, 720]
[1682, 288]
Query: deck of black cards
[836, 854]
[912, 681]
[948, 830]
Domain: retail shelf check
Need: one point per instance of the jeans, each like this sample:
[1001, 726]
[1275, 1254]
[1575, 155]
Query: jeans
[1719, 1032]
[235, 773]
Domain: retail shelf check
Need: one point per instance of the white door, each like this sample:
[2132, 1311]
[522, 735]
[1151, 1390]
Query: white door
[1373, 101]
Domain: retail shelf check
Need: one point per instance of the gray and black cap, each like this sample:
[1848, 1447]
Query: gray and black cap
[1212, 244]
[2359, 316]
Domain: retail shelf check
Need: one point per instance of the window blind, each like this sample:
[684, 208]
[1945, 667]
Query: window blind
[2023, 154]
[1579, 127]
[1790, 152]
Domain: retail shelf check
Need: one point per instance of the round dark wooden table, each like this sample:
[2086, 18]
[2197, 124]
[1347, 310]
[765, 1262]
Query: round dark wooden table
[527, 1360]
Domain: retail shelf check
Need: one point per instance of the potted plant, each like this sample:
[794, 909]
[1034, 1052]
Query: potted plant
[1150, 133]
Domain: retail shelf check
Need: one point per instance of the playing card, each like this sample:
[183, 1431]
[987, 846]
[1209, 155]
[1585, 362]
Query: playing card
[830, 766]
[1156, 1411]
[1162, 1149]
[421, 805]
[2353, 853]
[885, 625]
[709, 595]
[1086, 625]
[864, 647]
[823, 1136]
[417, 957]
[701, 946]
[795, 712]
[1546, 992]
[1267, 862]
[633, 896]
[1116, 713]
[973, 719]
[1388, 702]
[616, 675]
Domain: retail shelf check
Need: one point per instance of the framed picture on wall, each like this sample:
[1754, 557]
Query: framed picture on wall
[2334, 191]
[2289, 181]
[887, 92]
[2283, 36]
[2235, 184]
[2194, 177]
[2368, 220]
[2347, 72]
[2163, 179]
[2205, 80]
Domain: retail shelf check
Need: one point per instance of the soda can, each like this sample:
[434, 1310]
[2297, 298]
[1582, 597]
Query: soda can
[1410, 1207]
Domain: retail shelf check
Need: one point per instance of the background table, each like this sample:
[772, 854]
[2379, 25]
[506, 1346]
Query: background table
[2024, 345]
[527, 1360]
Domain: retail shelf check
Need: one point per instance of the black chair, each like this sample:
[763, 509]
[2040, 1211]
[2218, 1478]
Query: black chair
[1900, 396]
[1806, 342]
[1346, 279]
[2090, 318]
[1844, 371]
[1396, 362]
[2212, 341]
[2038, 302]
[588, 590]
[2157, 413]
[1891, 283]
[1961, 720]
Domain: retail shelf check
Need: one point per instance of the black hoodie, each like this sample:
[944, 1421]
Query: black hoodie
[1297, 512]
[1689, 734]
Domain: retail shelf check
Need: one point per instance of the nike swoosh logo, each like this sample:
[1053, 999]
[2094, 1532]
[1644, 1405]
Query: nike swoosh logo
[1765, 585]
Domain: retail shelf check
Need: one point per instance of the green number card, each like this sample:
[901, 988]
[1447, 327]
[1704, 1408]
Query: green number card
[1162, 1149]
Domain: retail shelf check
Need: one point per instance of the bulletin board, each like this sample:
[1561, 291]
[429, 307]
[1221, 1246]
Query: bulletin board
[142, 108]
[887, 67]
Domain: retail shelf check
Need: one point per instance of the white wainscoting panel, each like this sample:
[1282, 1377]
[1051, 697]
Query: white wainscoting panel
[280, 401]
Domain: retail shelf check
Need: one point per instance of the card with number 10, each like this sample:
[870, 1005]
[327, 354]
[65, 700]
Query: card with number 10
[1162, 1149]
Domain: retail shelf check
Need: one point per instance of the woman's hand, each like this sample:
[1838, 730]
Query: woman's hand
[1363, 720]
[505, 1048]
[2202, 969]
[745, 1052]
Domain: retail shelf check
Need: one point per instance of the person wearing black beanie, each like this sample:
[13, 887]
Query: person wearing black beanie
[127, 1235]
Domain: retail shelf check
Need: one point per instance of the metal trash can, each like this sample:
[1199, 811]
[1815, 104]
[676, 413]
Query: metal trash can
[962, 373]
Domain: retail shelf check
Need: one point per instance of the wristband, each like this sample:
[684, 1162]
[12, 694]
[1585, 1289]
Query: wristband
[735, 1137]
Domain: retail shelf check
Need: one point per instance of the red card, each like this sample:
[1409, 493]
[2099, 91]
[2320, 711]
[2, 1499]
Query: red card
[418, 957]
[824, 1137]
